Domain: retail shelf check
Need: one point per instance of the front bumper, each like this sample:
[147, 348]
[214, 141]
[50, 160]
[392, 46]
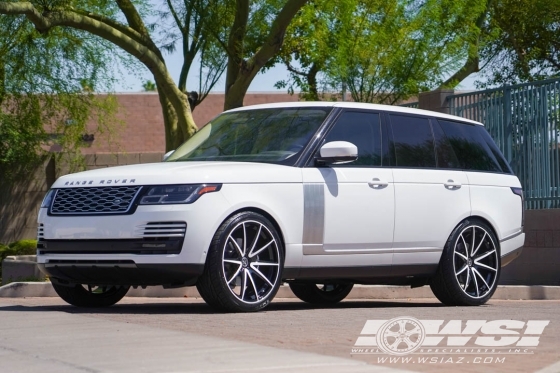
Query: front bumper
[123, 272]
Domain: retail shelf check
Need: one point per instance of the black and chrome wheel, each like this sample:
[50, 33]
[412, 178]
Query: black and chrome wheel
[244, 264]
[328, 293]
[90, 296]
[469, 269]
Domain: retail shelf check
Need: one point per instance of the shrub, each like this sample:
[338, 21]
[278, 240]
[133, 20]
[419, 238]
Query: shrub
[22, 247]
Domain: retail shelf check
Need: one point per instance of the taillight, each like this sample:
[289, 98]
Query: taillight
[519, 192]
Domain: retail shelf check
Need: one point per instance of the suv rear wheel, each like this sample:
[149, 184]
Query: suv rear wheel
[470, 266]
[328, 293]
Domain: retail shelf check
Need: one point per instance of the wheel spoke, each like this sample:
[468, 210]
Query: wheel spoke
[236, 245]
[485, 266]
[461, 270]
[416, 330]
[390, 333]
[402, 326]
[473, 238]
[475, 282]
[243, 284]
[234, 275]
[260, 274]
[396, 343]
[480, 244]
[255, 242]
[467, 280]
[265, 264]
[253, 283]
[462, 256]
[482, 256]
[475, 272]
[465, 244]
[261, 249]
[232, 261]
[408, 342]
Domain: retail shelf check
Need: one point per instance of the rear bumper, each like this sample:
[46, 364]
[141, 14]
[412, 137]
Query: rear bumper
[121, 272]
[511, 248]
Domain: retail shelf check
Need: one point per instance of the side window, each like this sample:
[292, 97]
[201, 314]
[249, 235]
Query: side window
[363, 130]
[445, 155]
[471, 147]
[413, 142]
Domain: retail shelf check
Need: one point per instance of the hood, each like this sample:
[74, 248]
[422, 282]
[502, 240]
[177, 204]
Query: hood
[183, 173]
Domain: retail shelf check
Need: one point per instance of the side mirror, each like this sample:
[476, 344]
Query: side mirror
[167, 155]
[337, 152]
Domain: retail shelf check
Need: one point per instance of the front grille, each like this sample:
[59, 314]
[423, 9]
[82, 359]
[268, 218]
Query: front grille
[96, 200]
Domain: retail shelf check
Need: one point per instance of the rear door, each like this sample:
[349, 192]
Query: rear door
[490, 177]
[431, 192]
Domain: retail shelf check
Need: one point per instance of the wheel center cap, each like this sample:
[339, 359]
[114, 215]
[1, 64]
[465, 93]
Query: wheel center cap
[245, 262]
[469, 262]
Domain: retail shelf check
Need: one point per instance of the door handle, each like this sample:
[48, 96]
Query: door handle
[375, 182]
[450, 184]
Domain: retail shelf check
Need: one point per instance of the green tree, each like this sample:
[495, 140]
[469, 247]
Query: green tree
[513, 41]
[42, 96]
[523, 43]
[381, 51]
[248, 49]
[149, 86]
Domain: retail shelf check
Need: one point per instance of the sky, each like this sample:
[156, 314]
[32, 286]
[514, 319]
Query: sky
[263, 82]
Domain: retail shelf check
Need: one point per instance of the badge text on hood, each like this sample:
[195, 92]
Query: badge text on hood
[105, 182]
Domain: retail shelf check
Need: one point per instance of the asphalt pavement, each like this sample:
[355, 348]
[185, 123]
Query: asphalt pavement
[185, 335]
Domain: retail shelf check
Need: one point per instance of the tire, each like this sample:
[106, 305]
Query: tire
[90, 297]
[468, 273]
[243, 269]
[329, 293]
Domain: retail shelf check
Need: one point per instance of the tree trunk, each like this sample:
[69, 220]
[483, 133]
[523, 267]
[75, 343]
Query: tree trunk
[240, 72]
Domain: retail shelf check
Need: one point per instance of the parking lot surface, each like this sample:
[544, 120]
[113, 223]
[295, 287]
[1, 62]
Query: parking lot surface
[185, 335]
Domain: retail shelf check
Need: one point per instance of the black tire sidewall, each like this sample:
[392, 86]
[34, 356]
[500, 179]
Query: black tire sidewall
[446, 270]
[222, 297]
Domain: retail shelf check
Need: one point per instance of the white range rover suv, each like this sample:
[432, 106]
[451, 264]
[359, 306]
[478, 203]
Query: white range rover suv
[319, 195]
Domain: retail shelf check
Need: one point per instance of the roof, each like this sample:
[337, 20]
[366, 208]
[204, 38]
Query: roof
[356, 105]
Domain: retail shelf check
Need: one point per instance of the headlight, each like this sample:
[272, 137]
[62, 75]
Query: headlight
[174, 194]
[48, 199]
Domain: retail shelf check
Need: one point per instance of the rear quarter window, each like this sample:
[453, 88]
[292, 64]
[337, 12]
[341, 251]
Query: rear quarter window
[474, 148]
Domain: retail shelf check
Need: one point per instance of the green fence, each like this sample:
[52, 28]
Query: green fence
[524, 120]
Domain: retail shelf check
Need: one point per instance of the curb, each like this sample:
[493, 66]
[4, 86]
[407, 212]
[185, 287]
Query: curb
[504, 292]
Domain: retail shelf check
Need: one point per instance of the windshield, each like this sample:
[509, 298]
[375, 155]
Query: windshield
[260, 135]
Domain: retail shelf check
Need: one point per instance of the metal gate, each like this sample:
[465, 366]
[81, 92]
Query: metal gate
[524, 120]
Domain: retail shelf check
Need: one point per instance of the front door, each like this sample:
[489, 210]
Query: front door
[349, 208]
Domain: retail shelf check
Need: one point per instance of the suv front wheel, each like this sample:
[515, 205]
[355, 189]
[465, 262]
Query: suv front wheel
[90, 296]
[470, 266]
[243, 269]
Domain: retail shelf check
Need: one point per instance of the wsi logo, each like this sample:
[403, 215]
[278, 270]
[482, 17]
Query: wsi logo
[405, 335]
